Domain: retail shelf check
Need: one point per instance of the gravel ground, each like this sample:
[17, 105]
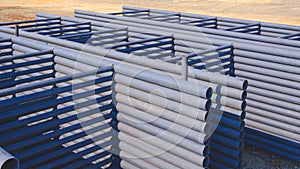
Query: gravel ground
[255, 158]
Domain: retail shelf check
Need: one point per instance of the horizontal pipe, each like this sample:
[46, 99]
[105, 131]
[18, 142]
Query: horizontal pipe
[267, 72]
[29, 21]
[8, 161]
[12, 114]
[164, 124]
[273, 115]
[273, 144]
[163, 134]
[273, 123]
[228, 142]
[216, 164]
[230, 35]
[167, 81]
[218, 148]
[213, 77]
[241, 27]
[175, 95]
[274, 109]
[274, 102]
[59, 26]
[273, 150]
[223, 159]
[39, 24]
[267, 79]
[216, 116]
[160, 143]
[146, 156]
[161, 101]
[154, 151]
[267, 64]
[11, 58]
[226, 101]
[62, 152]
[272, 87]
[271, 129]
[130, 161]
[39, 139]
[184, 111]
[54, 81]
[25, 72]
[37, 95]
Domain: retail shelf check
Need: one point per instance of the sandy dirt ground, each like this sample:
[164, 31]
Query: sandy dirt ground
[279, 11]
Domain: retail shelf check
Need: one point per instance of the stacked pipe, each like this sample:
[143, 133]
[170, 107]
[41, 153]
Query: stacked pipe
[217, 59]
[240, 94]
[151, 45]
[285, 45]
[273, 106]
[227, 141]
[238, 25]
[165, 48]
[5, 50]
[18, 68]
[52, 27]
[213, 36]
[157, 123]
[35, 126]
[218, 89]
[254, 50]
[228, 24]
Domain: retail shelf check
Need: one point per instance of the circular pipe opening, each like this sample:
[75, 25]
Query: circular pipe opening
[205, 162]
[209, 93]
[11, 164]
[206, 151]
[243, 115]
[244, 95]
[206, 116]
[245, 85]
[244, 104]
[208, 105]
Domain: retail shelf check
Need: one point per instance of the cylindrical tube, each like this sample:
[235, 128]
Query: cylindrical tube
[7, 161]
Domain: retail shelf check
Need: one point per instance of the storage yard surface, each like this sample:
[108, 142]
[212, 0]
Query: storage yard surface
[279, 11]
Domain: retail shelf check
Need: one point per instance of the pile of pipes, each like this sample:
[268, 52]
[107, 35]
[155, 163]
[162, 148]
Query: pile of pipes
[146, 88]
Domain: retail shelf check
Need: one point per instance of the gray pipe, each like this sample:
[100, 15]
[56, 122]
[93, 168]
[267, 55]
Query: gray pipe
[172, 148]
[275, 109]
[131, 160]
[145, 156]
[164, 124]
[186, 111]
[164, 155]
[274, 130]
[7, 161]
[163, 134]
[274, 123]
[197, 125]
[271, 115]
[268, 64]
[268, 72]
[157, 89]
